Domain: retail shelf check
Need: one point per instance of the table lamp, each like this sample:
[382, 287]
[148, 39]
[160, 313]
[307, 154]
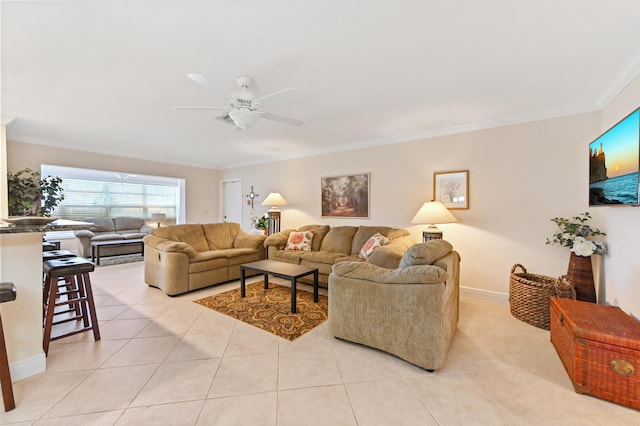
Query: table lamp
[274, 200]
[432, 213]
[158, 217]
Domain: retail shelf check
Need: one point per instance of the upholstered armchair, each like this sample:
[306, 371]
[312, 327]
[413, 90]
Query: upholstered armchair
[410, 312]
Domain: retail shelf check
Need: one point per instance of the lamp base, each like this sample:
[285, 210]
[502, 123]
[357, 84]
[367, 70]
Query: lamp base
[273, 221]
[431, 234]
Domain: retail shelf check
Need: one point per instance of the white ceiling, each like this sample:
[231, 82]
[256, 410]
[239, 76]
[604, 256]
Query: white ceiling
[102, 76]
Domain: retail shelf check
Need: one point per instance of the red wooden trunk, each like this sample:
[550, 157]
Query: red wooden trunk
[600, 349]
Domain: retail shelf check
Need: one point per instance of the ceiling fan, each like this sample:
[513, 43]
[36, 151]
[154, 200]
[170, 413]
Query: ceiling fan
[244, 108]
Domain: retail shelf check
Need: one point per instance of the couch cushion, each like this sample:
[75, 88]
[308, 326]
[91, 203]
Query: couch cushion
[389, 256]
[128, 231]
[350, 258]
[300, 240]
[376, 241]
[237, 256]
[323, 268]
[125, 224]
[322, 256]
[250, 241]
[191, 234]
[220, 236]
[319, 232]
[107, 237]
[103, 224]
[364, 233]
[133, 236]
[208, 264]
[338, 239]
[289, 256]
[425, 253]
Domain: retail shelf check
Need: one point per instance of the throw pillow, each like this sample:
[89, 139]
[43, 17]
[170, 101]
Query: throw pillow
[377, 240]
[300, 241]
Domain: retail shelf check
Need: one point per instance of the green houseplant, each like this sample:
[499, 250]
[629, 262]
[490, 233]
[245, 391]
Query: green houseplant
[31, 195]
[262, 222]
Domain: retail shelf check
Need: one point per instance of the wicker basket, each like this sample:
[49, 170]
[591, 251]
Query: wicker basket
[529, 295]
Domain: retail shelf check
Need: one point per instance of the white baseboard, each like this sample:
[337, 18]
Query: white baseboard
[492, 296]
[28, 367]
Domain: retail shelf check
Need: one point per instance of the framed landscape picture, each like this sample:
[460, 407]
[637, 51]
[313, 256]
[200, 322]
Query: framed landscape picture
[345, 196]
[452, 189]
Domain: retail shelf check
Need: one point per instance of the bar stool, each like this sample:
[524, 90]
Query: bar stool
[7, 294]
[75, 271]
[50, 255]
[48, 246]
[56, 254]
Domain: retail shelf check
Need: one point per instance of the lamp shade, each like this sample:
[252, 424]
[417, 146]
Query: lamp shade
[432, 213]
[158, 217]
[274, 199]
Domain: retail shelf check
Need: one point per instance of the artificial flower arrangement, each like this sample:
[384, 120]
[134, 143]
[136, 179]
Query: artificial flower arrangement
[262, 222]
[574, 234]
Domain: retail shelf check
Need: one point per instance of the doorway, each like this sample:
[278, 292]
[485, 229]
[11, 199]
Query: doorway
[232, 201]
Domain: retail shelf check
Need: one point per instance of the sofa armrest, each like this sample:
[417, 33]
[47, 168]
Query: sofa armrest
[246, 240]
[169, 246]
[419, 274]
[146, 229]
[279, 239]
[84, 233]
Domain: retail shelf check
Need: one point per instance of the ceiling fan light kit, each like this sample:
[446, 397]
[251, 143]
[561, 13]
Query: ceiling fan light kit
[244, 117]
[244, 110]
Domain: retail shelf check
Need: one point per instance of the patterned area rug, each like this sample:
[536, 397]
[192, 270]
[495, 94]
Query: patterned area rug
[270, 309]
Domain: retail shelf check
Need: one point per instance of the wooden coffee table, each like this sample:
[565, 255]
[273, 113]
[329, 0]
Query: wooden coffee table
[287, 271]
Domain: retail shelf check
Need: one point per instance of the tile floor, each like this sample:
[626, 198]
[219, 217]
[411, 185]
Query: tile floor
[169, 361]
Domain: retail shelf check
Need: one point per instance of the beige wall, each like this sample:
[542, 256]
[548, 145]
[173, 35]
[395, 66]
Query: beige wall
[201, 185]
[520, 177]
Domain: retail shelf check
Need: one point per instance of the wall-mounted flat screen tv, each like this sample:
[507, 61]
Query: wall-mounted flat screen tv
[614, 164]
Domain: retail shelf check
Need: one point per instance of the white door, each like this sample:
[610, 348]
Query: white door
[232, 201]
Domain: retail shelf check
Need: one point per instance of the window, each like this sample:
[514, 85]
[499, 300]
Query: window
[97, 193]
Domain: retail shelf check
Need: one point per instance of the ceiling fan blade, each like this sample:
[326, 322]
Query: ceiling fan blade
[202, 81]
[274, 94]
[280, 118]
[196, 108]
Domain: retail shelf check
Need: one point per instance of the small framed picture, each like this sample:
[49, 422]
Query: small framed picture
[452, 189]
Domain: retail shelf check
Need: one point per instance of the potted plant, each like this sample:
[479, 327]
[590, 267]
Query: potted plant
[576, 234]
[263, 223]
[31, 195]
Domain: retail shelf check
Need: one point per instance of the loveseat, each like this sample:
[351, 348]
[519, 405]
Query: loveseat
[183, 258]
[112, 229]
[410, 311]
[330, 245]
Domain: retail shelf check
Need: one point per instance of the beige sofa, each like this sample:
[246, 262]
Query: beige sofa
[182, 258]
[410, 312]
[112, 229]
[339, 244]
